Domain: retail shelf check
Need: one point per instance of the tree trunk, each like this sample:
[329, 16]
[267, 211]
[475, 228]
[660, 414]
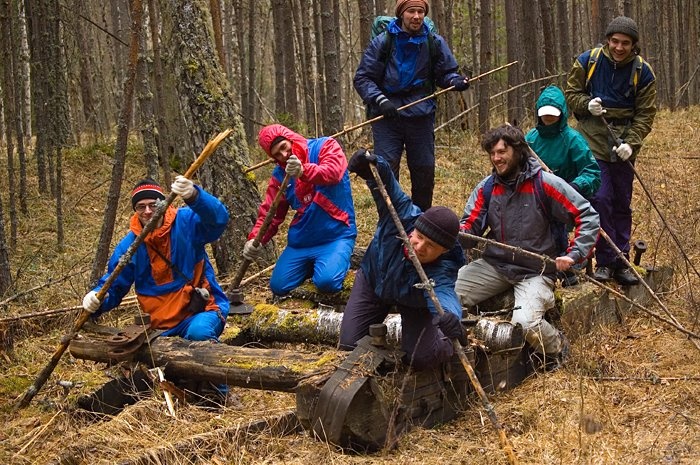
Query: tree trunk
[215, 9]
[515, 106]
[249, 109]
[9, 110]
[366, 18]
[206, 108]
[279, 11]
[333, 111]
[485, 57]
[321, 99]
[564, 38]
[144, 96]
[163, 134]
[289, 59]
[60, 236]
[102, 252]
[5, 273]
[550, 59]
[308, 77]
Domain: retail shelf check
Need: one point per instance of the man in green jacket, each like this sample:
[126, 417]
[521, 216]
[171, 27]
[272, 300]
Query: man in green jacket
[614, 85]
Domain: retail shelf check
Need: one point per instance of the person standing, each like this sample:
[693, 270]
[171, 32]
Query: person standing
[613, 84]
[322, 233]
[515, 204]
[416, 61]
[388, 278]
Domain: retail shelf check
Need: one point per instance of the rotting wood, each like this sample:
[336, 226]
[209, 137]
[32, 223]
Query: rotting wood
[269, 369]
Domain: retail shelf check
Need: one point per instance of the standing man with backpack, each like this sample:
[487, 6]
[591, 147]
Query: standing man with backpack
[612, 92]
[400, 66]
[516, 204]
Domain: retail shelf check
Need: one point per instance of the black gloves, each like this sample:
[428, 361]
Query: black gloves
[451, 327]
[460, 83]
[359, 163]
[386, 108]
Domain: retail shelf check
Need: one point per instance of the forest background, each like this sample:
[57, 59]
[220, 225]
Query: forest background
[96, 95]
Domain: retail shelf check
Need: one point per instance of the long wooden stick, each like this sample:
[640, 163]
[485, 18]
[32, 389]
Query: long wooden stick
[235, 284]
[505, 442]
[43, 376]
[377, 118]
[545, 259]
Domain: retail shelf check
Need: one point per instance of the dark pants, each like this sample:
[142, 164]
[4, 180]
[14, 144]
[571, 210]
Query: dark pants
[416, 135]
[423, 343]
[612, 202]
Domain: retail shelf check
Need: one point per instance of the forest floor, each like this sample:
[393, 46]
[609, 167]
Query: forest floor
[629, 395]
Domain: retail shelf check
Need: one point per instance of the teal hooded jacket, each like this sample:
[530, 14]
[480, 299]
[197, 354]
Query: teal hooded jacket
[563, 149]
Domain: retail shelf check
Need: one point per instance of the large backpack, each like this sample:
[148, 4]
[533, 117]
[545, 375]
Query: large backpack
[379, 26]
[634, 74]
[557, 228]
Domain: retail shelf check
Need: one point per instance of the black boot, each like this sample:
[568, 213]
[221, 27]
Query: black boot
[625, 276]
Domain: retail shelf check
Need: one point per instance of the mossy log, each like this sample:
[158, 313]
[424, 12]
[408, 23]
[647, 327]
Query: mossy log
[316, 326]
[268, 369]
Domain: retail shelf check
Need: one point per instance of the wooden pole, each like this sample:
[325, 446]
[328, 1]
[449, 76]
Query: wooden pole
[377, 118]
[505, 442]
[43, 376]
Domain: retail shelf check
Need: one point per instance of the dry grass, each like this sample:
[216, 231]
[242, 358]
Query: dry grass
[631, 394]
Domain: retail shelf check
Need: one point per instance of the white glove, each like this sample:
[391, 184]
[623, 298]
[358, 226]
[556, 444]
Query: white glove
[251, 252]
[624, 151]
[183, 187]
[90, 302]
[294, 168]
[595, 106]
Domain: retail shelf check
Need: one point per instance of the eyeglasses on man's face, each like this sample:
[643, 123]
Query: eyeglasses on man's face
[141, 207]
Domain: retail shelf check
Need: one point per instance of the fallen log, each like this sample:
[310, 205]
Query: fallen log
[268, 369]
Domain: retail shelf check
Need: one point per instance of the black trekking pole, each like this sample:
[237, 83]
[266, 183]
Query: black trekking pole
[505, 442]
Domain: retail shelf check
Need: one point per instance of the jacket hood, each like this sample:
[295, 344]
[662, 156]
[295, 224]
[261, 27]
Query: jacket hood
[269, 133]
[552, 96]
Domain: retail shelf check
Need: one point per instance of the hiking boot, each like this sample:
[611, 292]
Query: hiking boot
[554, 362]
[625, 276]
[603, 273]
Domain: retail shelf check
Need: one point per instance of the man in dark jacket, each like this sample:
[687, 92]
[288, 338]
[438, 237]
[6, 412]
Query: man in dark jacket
[615, 83]
[515, 215]
[411, 69]
[387, 277]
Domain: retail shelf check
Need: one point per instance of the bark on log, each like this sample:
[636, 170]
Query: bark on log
[268, 369]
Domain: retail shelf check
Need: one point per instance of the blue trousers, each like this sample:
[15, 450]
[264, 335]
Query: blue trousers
[423, 343]
[327, 264]
[416, 135]
[612, 202]
[203, 326]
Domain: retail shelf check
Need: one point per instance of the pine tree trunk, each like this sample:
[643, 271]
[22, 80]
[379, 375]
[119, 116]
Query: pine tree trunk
[207, 107]
[485, 57]
[102, 252]
[333, 111]
[9, 111]
[144, 96]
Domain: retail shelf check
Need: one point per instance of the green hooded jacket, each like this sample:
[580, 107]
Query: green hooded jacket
[562, 148]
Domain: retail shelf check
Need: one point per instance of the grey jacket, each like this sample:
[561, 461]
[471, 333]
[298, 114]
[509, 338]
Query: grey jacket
[514, 216]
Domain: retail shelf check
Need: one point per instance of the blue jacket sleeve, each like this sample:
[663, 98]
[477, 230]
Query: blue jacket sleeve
[402, 203]
[370, 71]
[122, 283]
[210, 218]
[446, 66]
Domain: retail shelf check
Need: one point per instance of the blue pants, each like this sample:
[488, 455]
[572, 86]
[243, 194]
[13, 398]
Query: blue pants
[423, 343]
[416, 135]
[203, 326]
[327, 264]
[612, 202]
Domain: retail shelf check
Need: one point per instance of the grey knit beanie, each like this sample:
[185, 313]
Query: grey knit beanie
[623, 25]
[439, 224]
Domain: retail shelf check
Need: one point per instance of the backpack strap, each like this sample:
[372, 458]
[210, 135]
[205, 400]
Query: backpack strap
[486, 191]
[634, 75]
[592, 63]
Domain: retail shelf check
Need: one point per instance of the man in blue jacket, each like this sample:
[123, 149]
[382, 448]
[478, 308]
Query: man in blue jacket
[415, 63]
[388, 278]
[171, 264]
